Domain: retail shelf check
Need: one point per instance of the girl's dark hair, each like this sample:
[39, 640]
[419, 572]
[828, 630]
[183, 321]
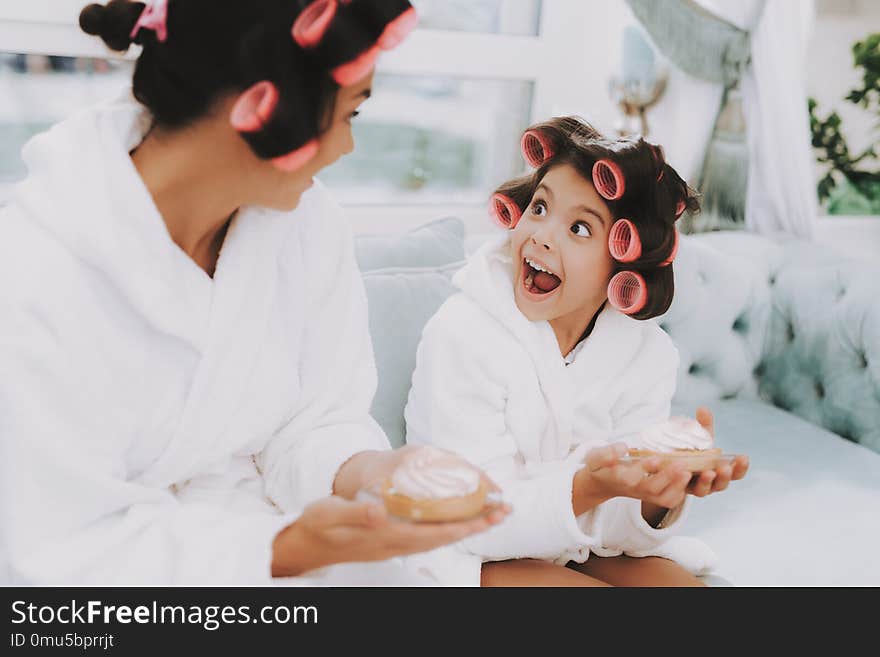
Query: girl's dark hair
[654, 198]
[217, 48]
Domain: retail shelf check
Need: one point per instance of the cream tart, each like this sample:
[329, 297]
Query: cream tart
[435, 486]
[679, 439]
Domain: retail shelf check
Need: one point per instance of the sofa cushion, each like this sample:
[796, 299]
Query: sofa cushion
[434, 244]
[407, 278]
[805, 515]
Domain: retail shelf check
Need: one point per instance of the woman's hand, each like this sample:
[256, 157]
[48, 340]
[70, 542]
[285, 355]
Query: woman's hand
[333, 530]
[715, 481]
[655, 482]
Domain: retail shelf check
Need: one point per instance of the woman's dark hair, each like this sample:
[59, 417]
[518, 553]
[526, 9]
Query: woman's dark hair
[655, 196]
[215, 48]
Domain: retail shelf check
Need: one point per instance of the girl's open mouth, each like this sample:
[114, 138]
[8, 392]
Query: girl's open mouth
[537, 280]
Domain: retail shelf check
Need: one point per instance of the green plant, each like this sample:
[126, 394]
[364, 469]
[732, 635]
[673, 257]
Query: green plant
[846, 174]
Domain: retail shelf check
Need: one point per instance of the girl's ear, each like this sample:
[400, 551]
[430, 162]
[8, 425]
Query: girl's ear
[254, 108]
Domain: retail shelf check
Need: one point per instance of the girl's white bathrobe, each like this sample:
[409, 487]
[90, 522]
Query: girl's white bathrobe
[492, 386]
[158, 426]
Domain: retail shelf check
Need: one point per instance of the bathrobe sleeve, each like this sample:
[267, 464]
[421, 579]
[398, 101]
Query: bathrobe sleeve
[68, 516]
[618, 524]
[457, 402]
[331, 422]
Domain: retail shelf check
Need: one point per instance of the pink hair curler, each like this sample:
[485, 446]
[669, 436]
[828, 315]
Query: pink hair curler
[254, 108]
[311, 25]
[624, 242]
[628, 292]
[398, 29]
[536, 148]
[357, 69]
[504, 211]
[679, 209]
[608, 180]
[298, 158]
[672, 255]
[153, 17]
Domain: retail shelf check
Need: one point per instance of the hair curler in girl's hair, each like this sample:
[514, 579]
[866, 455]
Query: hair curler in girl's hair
[674, 253]
[504, 211]
[378, 25]
[536, 148]
[623, 241]
[608, 180]
[628, 292]
[154, 17]
[680, 208]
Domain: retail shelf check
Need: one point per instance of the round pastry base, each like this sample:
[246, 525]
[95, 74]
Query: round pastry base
[447, 509]
[695, 460]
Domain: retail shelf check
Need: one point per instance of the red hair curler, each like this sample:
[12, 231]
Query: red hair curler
[254, 107]
[504, 211]
[311, 25]
[398, 29]
[536, 148]
[628, 292]
[608, 180]
[672, 255]
[624, 242]
[679, 209]
[298, 158]
[357, 69]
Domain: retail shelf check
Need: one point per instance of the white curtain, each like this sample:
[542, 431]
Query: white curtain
[781, 195]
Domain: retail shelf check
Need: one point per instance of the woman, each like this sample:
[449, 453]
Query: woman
[187, 372]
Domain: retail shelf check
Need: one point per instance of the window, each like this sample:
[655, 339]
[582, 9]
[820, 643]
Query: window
[441, 132]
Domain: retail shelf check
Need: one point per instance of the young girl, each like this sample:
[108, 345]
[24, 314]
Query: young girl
[545, 358]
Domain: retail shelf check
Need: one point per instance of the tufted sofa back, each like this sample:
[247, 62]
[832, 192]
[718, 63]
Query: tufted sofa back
[790, 323]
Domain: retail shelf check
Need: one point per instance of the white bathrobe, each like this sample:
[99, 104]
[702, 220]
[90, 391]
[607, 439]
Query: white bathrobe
[158, 426]
[492, 386]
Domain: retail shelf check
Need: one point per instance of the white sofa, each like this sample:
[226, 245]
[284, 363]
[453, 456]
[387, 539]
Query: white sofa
[781, 341]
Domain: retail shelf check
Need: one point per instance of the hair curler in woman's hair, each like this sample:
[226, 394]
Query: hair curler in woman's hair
[374, 24]
[674, 252]
[536, 148]
[155, 18]
[624, 242]
[254, 110]
[608, 180]
[628, 292]
[504, 211]
[311, 25]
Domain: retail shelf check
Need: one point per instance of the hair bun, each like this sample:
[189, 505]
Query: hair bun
[113, 22]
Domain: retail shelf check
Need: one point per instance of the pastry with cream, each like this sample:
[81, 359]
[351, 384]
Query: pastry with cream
[435, 486]
[680, 438]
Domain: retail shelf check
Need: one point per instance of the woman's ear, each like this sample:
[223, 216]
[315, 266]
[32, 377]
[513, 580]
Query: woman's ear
[254, 107]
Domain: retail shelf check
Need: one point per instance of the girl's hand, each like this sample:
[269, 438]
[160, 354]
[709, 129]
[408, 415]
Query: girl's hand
[605, 477]
[333, 530]
[715, 481]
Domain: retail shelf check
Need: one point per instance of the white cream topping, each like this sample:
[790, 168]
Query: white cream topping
[676, 433]
[432, 473]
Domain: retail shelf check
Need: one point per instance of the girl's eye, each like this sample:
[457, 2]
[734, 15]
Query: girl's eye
[539, 208]
[581, 229]
[353, 115]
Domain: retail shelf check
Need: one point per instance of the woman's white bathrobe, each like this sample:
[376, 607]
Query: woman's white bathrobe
[140, 400]
[492, 386]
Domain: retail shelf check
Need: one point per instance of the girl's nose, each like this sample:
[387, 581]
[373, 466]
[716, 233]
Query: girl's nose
[542, 240]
